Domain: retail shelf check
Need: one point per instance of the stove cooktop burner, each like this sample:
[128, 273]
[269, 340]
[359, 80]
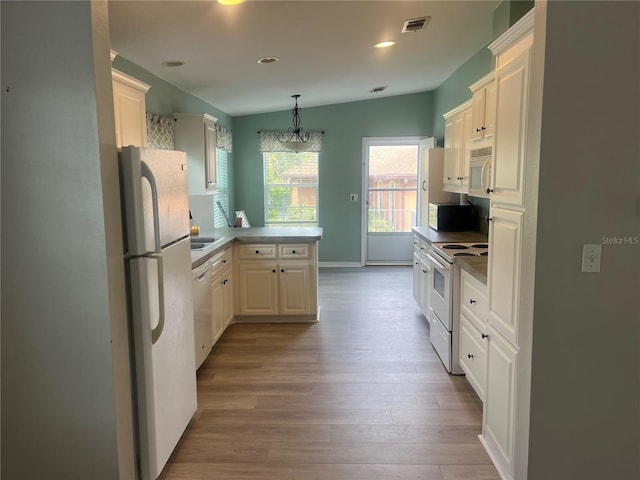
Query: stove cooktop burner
[480, 245]
[464, 254]
[484, 254]
[454, 246]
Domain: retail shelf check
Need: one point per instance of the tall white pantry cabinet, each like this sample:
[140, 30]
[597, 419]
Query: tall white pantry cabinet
[512, 52]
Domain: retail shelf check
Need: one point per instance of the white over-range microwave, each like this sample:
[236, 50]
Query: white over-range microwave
[480, 172]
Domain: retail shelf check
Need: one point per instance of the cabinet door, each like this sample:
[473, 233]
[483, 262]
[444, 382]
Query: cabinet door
[130, 115]
[453, 133]
[490, 110]
[417, 280]
[258, 287]
[425, 271]
[512, 85]
[473, 355]
[227, 313]
[465, 150]
[477, 118]
[211, 172]
[503, 279]
[295, 285]
[217, 306]
[499, 413]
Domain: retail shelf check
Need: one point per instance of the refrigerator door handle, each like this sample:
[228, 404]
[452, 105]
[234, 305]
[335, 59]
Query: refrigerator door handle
[146, 173]
[157, 331]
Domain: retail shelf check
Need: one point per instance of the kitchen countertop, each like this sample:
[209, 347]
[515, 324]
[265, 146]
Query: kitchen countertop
[227, 236]
[476, 266]
[433, 236]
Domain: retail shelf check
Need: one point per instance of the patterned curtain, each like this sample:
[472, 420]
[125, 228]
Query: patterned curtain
[160, 132]
[269, 141]
[224, 139]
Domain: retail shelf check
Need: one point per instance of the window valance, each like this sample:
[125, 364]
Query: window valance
[224, 138]
[160, 131]
[269, 141]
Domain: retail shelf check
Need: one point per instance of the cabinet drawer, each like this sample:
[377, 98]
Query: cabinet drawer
[473, 355]
[256, 251]
[220, 261]
[473, 298]
[294, 251]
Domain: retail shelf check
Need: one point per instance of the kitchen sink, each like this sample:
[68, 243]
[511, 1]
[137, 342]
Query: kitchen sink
[197, 246]
[198, 240]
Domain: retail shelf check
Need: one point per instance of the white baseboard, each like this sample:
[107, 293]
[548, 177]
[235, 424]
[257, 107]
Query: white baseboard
[339, 265]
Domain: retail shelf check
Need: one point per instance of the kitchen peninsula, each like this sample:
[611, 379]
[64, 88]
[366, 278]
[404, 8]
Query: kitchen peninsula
[273, 271]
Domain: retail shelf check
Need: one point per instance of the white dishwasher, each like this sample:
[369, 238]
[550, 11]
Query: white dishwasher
[203, 333]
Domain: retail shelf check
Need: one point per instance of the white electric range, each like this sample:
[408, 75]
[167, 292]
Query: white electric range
[444, 298]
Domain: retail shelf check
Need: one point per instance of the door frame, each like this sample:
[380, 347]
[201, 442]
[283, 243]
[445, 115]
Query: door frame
[373, 141]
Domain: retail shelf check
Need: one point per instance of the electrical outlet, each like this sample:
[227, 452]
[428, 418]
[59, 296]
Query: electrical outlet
[353, 197]
[591, 255]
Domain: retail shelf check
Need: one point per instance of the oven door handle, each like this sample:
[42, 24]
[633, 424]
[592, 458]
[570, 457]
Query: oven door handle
[437, 262]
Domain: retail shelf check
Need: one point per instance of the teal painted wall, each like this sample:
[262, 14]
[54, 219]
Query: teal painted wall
[340, 160]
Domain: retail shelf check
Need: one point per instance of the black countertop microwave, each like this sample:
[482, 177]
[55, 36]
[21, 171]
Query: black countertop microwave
[450, 217]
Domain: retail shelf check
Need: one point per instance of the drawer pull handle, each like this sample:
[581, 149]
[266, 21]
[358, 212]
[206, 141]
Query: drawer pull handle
[282, 270]
[472, 301]
[224, 261]
[293, 251]
[484, 335]
[469, 355]
[257, 252]
[273, 271]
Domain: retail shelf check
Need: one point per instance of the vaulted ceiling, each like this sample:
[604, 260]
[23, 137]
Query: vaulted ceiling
[325, 48]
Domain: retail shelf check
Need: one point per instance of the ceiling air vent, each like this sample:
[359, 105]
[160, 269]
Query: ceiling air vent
[415, 24]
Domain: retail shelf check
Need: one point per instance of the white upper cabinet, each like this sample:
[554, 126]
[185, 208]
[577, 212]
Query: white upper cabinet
[512, 99]
[483, 105]
[196, 135]
[129, 108]
[457, 152]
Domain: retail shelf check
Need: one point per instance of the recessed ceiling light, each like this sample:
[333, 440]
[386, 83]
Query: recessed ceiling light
[172, 63]
[230, 2]
[268, 60]
[385, 44]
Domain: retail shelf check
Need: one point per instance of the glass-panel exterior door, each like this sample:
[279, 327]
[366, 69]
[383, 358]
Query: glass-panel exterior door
[391, 200]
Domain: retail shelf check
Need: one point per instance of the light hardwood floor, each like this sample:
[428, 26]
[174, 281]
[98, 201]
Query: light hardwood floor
[359, 395]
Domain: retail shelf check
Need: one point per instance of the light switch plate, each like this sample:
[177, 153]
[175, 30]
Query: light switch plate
[353, 197]
[591, 255]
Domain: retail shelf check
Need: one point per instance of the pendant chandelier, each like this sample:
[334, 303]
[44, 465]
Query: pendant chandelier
[295, 139]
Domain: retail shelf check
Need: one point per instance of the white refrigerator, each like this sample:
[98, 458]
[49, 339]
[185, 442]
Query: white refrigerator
[158, 259]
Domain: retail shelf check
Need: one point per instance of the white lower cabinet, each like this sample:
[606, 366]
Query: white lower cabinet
[473, 328]
[221, 293]
[277, 280]
[421, 272]
[499, 406]
[473, 355]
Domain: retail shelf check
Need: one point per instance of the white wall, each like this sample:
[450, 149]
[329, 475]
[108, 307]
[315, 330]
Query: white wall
[585, 388]
[61, 269]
